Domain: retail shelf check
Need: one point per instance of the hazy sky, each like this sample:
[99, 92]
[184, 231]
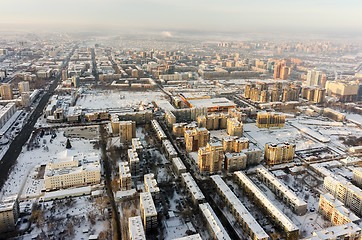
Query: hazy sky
[173, 15]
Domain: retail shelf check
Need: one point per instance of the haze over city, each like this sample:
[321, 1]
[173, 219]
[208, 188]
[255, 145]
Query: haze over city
[180, 120]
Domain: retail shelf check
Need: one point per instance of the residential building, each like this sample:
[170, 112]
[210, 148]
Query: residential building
[279, 153]
[148, 211]
[296, 204]
[9, 213]
[216, 229]
[348, 231]
[192, 188]
[345, 91]
[243, 217]
[210, 158]
[196, 138]
[6, 92]
[124, 176]
[234, 144]
[267, 120]
[23, 87]
[178, 165]
[158, 129]
[235, 161]
[291, 230]
[357, 176]
[169, 149]
[135, 229]
[127, 131]
[234, 127]
[134, 161]
[253, 156]
[335, 211]
[151, 186]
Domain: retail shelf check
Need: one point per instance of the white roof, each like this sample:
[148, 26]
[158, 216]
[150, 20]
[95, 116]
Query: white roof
[276, 212]
[136, 230]
[284, 189]
[240, 208]
[124, 170]
[214, 222]
[148, 204]
[336, 231]
[192, 186]
[191, 237]
[151, 183]
[178, 163]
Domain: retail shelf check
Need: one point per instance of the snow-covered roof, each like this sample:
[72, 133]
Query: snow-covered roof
[282, 188]
[214, 222]
[276, 212]
[148, 204]
[192, 186]
[240, 208]
[136, 230]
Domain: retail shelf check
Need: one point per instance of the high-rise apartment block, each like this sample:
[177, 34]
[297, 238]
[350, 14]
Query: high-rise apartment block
[6, 92]
[210, 158]
[9, 213]
[134, 161]
[234, 144]
[127, 131]
[196, 139]
[279, 153]
[23, 87]
[314, 78]
[234, 127]
[267, 120]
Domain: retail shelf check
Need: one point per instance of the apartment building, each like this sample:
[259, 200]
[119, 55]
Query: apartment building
[250, 226]
[267, 120]
[291, 230]
[346, 231]
[158, 129]
[210, 158]
[335, 211]
[124, 176]
[148, 211]
[127, 131]
[216, 229]
[178, 165]
[234, 127]
[234, 144]
[192, 188]
[134, 161]
[235, 161]
[279, 153]
[196, 138]
[296, 204]
[151, 186]
[135, 229]
[9, 213]
[357, 176]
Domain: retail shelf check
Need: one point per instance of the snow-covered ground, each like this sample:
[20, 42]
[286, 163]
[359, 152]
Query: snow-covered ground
[32, 156]
[93, 99]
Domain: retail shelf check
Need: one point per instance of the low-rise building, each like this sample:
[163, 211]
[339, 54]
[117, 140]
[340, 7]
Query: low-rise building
[135, 228]
[124, 176]
[216, 229]
[296, 204]
[169, 149]
[250, 226]
[151, 186]
[357, 176]
[291, 230]
[267, 120]
[178, 166]
[192, 188]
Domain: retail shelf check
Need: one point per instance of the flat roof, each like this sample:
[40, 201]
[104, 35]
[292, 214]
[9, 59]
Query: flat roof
[214, 222]
[335, 231]
[151, 183]
[178, 163]
[276, 212]
[136, 230]
[191, 237]
[212, 102]
[282, 188]
[148, 204]
[124, 170]
[240, 208]
[192, 186]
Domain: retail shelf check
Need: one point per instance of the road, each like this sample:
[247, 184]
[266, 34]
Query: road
[14, 150]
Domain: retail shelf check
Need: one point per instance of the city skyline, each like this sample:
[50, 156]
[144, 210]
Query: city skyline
[204, 16]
